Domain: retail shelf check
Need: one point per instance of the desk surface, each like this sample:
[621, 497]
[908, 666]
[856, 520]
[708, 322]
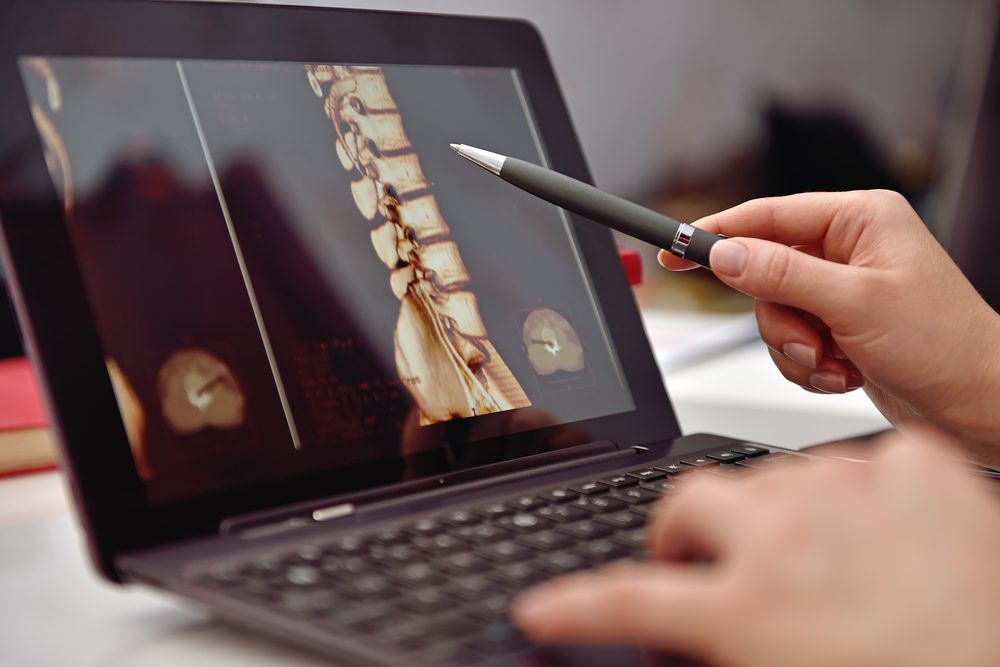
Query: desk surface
[55, 612]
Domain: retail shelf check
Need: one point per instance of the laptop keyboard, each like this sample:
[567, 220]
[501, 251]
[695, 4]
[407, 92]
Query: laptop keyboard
[439, 587]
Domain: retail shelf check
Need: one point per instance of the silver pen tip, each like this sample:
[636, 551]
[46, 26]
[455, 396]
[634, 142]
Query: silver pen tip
[492, 162]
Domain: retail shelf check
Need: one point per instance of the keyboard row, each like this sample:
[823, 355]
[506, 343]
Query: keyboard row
[440, 586]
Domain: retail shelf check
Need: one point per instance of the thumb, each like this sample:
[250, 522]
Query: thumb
[774, 272]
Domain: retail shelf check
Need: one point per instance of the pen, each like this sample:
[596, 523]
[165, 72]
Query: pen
[679, 238]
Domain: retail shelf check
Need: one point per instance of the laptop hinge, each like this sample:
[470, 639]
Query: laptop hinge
[300, 515]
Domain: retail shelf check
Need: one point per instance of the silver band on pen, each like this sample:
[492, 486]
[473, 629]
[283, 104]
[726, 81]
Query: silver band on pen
[681, 240]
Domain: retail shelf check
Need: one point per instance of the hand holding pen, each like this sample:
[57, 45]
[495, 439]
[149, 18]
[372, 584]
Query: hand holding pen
[851, 291]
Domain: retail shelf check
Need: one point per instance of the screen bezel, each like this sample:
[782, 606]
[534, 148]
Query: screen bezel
[60, 330]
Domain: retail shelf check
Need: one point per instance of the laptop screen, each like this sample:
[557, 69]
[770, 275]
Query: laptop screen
[290, 271]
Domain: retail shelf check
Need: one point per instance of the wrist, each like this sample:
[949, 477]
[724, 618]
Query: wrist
[977, 420]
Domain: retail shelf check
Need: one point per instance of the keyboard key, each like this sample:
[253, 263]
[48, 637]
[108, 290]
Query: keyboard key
[623, 519]
[499, 637]
[523, 522]
[349, 546]
[492, 608]
[261, 589]
[459, 518]
[426, 600]
[338, 566]
[526, 502]
[618, 481]
[645, 510]
[726, 456]
[506, 552]
[660, 486]
[225, 576]
[587, 488]
[264, 566]
[371, 585]
[775, 457]
[647, 474]
[439, 544]
[699, 462]
[633, 538]
[587, 528]
[425, 527]
[636, 495]
[563, 513]
[465, 561]
[560, 562]
[599, 503]
[417, 574]
[520, 575]
[604, 550]
[546, 540]
[388, 536]
[728, 470]
[751, 451]
[494, 510]
[675, 468]
[483, 533]
[400, 553]
[559, 495]
[306, 553]
[303, 575]
[473, 586]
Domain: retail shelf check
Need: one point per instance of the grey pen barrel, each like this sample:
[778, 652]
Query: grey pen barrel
[627, 217]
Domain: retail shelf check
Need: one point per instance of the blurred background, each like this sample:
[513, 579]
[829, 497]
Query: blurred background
[691, 106]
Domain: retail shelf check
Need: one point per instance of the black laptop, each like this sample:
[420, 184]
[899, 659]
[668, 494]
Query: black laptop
[307, 367]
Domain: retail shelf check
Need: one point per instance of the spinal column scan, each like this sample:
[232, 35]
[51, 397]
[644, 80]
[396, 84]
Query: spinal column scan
[442, 349]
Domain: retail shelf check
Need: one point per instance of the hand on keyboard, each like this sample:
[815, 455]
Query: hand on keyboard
[827, 564]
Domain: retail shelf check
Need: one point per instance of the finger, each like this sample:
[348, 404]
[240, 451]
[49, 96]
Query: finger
[695, 521]
[670, 261]
[831, 376]
[802, 219]
[783, 328]
[667, 607]
[774, 272]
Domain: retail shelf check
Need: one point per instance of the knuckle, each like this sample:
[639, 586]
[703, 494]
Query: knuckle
[890, 198]
[778, 271]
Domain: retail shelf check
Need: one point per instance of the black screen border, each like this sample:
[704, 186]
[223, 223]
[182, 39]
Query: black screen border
[59, 329]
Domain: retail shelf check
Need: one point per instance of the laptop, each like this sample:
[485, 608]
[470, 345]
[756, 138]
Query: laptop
[307, 368]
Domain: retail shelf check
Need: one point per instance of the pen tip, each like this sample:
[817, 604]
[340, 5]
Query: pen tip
[455, 147]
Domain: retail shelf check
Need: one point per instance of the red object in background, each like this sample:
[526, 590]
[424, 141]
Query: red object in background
[20, 403]
[633, 265]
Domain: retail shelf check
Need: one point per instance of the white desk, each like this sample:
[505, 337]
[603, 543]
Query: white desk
[55, 612]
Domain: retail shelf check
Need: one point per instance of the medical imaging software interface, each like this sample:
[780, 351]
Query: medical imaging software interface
[290, 270]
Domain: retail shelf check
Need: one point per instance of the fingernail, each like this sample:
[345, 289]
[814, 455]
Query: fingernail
[728, 258]
[800, 353]
[831, 383]
[660, 256]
